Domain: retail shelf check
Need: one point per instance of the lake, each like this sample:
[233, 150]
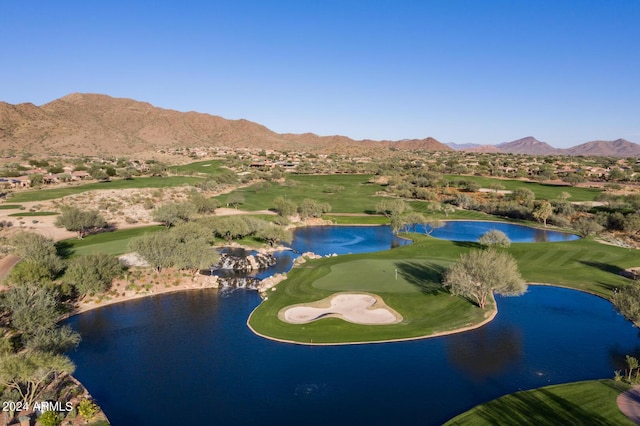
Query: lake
[190, 358]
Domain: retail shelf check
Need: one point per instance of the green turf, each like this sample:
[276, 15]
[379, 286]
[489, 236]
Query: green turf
[115, 242]
[27, 214]
[357, 220]
[147, 182]
[9, 206]
[358, 196]
[582, 403]
[541, 190]
[209, 167]
[581, 264]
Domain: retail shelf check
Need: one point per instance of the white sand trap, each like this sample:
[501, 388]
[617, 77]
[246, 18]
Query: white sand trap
[358, 308]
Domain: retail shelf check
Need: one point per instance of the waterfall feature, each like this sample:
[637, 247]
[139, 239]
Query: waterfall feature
[234, 271]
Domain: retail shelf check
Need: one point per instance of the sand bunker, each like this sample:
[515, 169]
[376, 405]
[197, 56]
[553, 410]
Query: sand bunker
[358, 308]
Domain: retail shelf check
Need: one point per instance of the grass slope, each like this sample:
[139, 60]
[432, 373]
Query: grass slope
[581, 403]
[358, 196]
[114, 243]
[209, 167]
[147, 182]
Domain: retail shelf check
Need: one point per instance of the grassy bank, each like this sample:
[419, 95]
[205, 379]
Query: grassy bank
[114, 243]
[581, 403]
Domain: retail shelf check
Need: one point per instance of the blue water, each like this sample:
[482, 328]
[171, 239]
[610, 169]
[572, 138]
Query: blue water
[189, 357]
[324, 240]
[468, 230]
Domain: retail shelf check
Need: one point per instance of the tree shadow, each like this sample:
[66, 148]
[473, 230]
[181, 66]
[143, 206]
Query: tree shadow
[64, 249]
[426, 276]
[467, 244]
[606, 267]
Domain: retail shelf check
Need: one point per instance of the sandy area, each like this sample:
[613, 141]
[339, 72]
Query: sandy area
[358, 308]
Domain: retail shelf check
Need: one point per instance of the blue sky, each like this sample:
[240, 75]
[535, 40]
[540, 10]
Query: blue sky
[462, 71]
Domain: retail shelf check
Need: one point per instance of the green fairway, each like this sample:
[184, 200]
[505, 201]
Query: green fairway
[115, 242]
[357, 195]
[28, 214]
[357, 220]
[147, 182]
[9, 206]
[541, 190]
[417, 293]
[582, 403]
[209, 167]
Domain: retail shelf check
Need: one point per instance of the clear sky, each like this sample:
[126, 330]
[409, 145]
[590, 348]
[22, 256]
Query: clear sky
[462, 71]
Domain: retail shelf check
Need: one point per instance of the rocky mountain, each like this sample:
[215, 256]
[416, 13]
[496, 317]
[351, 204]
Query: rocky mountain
[90, 124]
[528, 145]
[617, 148]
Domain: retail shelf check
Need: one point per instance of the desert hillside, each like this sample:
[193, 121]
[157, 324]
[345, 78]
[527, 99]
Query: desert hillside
[86, 124]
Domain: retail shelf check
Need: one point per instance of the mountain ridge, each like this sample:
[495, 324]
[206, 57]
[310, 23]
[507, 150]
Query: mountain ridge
[86, 124]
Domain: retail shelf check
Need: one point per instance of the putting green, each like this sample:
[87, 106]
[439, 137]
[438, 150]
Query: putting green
[375, 275]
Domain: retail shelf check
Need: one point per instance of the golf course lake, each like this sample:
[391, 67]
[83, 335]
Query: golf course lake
[190, 357]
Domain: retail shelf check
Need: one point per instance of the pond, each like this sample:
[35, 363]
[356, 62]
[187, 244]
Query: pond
[472, 230]
[190, 358]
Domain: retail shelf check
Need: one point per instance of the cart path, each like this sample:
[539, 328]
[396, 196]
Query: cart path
[629, 404]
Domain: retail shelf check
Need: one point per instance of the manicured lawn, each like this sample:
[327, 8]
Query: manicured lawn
[147, 182]
[358, 196]
[582, 403]
[542, 191]
[27, 214]
[209, 167]
[9, 206]
[417, 293]
[115, 242]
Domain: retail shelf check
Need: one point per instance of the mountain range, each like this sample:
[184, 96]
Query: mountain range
[532, 146]
[92, 124]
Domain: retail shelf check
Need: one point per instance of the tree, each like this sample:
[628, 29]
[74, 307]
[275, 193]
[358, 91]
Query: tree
[627, 301]
[523, 196]
[50, 418]
[56, 340]
[573, 179]
[156, 248]
[480, 273]
[632, 223]
[80, 221]
[29, 271]
[39, 249]
[312, 208]
[36, 179]
[231, 227]
[494, 238]
[98, 173]
[633, 364]
[234, 199]
[29, 372]
[542, 213]
[173, 213]
[390, 207]
[285, 206]
[93, 273]
[194, 255]
[496, 186]
[399, 222]
[203, 204]
[33, 308]
[586, 226]
[274, 234]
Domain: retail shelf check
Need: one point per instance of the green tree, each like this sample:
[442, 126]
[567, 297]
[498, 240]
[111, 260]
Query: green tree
[393, 206]
[29, 271]
[56, 340]
[627, 301]
[194, 256]
[203, 204]
[494, 238]
[231, 227]
[633, 364]
[632, 223]
[479, 273]
[312, 208]
[37, 248]
[36, 180]
[156, 248]
[235, 199]
[93, 273]
[32, 306]
[586, 226]
[50, 418]
[274, 234]
[543, 211]
[30, 372]
[573, 179]
[285, 206]
[80, 221]
[173, 213]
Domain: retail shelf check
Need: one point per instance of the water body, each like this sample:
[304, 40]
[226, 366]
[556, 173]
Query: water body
[470, 230]
[189, 357]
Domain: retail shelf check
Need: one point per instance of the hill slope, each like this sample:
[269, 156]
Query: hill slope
[90, 124]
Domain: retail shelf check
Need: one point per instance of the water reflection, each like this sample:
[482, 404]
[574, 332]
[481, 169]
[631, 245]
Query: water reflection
[486, 352]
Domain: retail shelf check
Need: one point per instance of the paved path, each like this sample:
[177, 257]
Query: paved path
[629, 404]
